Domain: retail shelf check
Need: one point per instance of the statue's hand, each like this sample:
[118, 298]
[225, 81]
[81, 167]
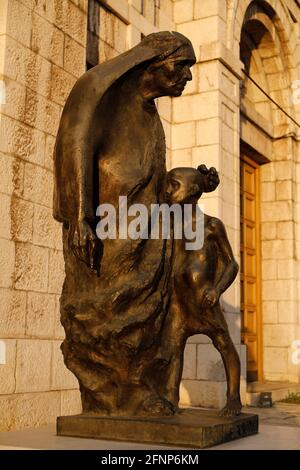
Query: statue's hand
[84, 242]
[211, 297]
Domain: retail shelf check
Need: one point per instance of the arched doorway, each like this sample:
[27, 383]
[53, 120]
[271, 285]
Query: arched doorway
[266, 196]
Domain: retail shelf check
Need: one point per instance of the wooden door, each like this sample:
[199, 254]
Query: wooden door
[250, 267]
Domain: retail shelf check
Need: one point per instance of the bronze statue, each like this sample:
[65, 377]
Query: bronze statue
[199, 279]
[116, 295]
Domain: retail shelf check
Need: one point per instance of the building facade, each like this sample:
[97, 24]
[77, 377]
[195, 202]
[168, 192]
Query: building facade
[241, 114]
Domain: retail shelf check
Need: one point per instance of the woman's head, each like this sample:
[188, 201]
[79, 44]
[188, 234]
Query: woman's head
[168, 73]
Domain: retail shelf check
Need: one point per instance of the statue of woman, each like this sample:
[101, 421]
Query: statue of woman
[115, 297]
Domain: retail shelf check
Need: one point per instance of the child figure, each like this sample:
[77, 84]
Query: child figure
[199, 279]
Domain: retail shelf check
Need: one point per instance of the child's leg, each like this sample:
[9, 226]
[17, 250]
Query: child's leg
[220, 337]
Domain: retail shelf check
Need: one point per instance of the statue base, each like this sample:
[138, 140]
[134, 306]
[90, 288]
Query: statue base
[189, 428]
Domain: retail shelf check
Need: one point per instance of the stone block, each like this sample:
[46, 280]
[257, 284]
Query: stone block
[15, 99]
[12, 313]
[208, 131]
[56, 271]
[61, 84]
[7, 371]
[165, 108]
[47, 40]
[196, 107]
[283, 170]
[49, 152]
[59, 332]
[21, 219]
[269, 312]
[33, 365]
[5, 227]
[283, 190]
[228, 138]
[209, 364]
[31, 267]
[74, 57]
[277, 249]
[21, 140]
[287, 269]
[190, 360]
[281, 335]
[269, 269]
[275, 359]
[278, 290]
[164, 22]
[203, 31]
[268, 191]
[25, 410]
[181, 157]
[6, 172]
[70, 18]
[70, 402]
[61, 377]
[276, 211]
[42, 114]
[183, 135]
[38, 185]
[204, 393]
[40, 319]
[267, 172]
[7, 261]
[46, 231]
[210, 155]
[209, 76]
[113, 30]
[183, 11]
[287, 311]
[268, 230]
[19, 25]
[205, 8]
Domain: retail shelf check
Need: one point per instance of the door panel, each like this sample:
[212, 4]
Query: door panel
[250, 267]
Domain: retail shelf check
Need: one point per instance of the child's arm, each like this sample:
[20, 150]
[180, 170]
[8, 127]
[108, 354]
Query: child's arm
[228, 274]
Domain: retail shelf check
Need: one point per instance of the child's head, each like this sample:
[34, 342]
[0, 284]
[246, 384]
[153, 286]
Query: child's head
[184, 185]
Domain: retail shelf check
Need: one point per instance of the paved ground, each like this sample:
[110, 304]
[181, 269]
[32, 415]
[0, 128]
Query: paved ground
[279, 430]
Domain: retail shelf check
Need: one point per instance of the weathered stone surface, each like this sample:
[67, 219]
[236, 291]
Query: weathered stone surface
[203, 393]
[21, 219]
[31, 268]
[38, 185]
[56, 271]
[70, 402]
[41, 313]
[33, 365]
[12, 313]
[46, 231]
[24, 410]
[209, 363]
[61, 377]
[7, 371]
[7, 261]
[190, 362]
[195, 428]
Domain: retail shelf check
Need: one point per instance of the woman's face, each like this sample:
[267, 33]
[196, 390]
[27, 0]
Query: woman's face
[171, 76]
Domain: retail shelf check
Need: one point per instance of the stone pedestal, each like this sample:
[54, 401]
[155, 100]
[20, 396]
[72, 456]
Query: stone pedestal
[189, 428]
